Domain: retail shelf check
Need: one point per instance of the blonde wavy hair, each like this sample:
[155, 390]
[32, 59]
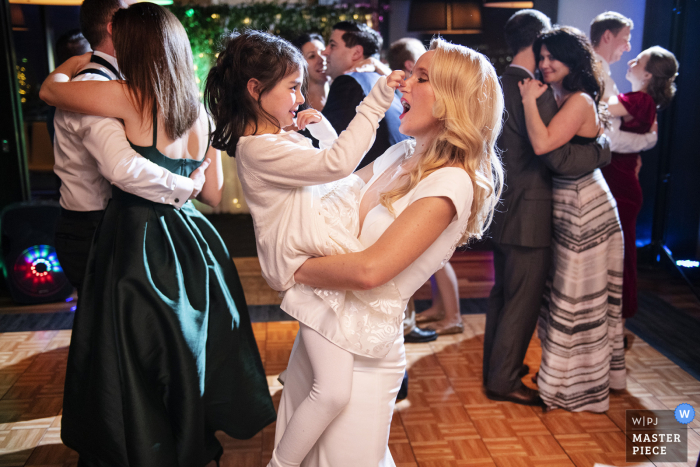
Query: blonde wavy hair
[469, 106]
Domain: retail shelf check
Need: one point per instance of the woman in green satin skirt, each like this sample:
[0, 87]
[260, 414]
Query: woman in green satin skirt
[162, 353]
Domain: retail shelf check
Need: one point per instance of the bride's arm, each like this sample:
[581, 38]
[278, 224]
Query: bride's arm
[567, 121]
[408, 237]
[102, 98]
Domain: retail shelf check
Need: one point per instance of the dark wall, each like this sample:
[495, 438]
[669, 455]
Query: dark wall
[42, 25]
[14, 180]
[670, 175]
[549, 8]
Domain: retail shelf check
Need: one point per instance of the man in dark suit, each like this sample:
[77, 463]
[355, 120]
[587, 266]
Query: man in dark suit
[521, 229]
[349, 47]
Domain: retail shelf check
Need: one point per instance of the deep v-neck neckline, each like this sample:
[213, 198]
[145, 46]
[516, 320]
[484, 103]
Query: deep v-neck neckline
[369, 184]
[362, 221]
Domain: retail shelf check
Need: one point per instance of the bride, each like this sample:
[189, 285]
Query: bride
[421, 199]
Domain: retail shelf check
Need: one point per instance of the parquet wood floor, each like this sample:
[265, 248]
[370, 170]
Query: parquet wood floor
[446, 421]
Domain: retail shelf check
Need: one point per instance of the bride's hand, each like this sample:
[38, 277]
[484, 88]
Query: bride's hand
[531, 89]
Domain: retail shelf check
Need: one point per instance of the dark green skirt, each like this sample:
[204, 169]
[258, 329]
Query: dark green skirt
[162, 353]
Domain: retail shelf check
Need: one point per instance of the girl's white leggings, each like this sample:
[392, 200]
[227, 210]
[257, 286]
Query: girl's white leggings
[330, 393]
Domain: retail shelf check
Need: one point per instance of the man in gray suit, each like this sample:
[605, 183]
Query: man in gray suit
[521, 229]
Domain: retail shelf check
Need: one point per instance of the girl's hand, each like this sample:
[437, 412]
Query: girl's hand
[307, 117]
[395, 79]
[531, 89]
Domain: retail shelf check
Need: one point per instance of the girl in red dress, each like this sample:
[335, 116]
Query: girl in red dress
[652, 74]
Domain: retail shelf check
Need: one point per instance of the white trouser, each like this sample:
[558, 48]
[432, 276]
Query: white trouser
[330, 392]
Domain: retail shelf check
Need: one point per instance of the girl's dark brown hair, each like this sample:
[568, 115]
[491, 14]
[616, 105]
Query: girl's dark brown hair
[155, 58]
[663, 67]
[571, 47]
[247, 55]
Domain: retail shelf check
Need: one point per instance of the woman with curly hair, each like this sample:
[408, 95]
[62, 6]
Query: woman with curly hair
[422, 198]
[580, 325]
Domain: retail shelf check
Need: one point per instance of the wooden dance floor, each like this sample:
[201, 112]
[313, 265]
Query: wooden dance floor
[447, 421]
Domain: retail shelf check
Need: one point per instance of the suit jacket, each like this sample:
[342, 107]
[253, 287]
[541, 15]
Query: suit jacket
[345, 94]
[524, 217]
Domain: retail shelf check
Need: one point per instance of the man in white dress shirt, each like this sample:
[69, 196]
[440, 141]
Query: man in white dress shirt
[610, 35]
[92, 153]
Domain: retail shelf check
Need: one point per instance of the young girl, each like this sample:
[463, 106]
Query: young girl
[652, 74]
[253, 93]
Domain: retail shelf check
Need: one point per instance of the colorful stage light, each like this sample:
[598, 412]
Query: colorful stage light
[37, 271]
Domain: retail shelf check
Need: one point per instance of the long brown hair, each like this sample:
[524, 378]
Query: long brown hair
[663, 67]
[247, 55]
[571, 47]
[155, 58]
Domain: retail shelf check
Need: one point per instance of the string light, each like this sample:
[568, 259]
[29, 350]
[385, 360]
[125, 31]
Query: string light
[203, 25]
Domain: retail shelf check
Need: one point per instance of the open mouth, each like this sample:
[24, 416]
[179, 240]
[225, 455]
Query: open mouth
[406, 108]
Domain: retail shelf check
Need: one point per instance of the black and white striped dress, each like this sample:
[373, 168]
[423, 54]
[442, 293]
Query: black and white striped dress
[580, 324]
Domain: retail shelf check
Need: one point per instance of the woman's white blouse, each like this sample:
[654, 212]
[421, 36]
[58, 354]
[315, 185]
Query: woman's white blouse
[368, 322]
[449, 182]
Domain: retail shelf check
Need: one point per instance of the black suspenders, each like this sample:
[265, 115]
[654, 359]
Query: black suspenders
[102, 62]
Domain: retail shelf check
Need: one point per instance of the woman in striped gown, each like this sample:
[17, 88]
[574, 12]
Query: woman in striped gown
[580, 325]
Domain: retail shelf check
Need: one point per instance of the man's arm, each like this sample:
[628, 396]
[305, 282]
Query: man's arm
[344, 96]
[626, 142]
[577, 159]
[117, 161]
